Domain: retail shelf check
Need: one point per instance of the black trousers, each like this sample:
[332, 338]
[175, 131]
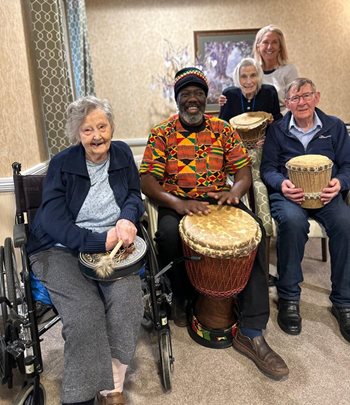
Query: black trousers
[253, 301]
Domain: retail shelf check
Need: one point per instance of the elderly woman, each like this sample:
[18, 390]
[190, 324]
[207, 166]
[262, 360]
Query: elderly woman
[91, 200]
[249, 94]
[270, 51]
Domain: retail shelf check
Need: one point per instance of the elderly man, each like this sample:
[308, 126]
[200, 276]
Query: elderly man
[174, 176]
[307, 130]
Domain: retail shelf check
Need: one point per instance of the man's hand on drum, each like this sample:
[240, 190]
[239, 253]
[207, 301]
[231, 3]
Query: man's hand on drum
[291, 192]
[331, 191]
[225, 197]
[190, 207]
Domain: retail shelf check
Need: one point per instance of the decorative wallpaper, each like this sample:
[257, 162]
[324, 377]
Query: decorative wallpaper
[129, 40]
[20, 129]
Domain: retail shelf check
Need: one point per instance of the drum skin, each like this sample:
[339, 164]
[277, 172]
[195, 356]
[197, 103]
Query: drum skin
[251, 126]
[226, 240]
[130, 265]
[312, 173]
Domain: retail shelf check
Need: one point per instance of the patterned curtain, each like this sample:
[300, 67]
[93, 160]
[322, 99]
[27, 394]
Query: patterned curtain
[51, 41]
[79, 47]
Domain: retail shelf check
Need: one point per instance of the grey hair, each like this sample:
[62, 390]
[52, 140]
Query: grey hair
[79, 109]
[298, 84]
[248, 62]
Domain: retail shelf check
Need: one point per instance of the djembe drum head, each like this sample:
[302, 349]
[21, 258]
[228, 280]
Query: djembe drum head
[251, 126]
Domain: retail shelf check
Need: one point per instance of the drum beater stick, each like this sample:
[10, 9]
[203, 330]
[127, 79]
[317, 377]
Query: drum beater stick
[104, 267]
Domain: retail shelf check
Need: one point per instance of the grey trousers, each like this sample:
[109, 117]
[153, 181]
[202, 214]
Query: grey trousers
[101, 321]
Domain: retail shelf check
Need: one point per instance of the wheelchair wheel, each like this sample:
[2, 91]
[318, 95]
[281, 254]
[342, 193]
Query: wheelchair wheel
[4, 361]
[166, 360]
[2, 292]
[10, 272]
[25, 397]
[147, 319]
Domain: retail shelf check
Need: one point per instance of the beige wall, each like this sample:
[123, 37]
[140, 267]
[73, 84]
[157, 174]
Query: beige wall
[20, 133]
[127, 39]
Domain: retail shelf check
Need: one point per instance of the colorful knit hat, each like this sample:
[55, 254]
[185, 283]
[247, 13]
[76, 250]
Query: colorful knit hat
[190, 76]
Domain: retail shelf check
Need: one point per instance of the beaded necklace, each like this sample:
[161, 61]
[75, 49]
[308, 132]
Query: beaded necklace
[248, 108]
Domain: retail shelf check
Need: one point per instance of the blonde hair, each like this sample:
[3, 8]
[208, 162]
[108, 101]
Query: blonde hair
[248, 62]
[282, 56]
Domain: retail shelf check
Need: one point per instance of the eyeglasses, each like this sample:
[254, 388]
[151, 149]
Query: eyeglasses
[305, 97]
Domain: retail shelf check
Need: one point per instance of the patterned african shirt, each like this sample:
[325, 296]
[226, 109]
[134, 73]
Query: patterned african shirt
[191, 164]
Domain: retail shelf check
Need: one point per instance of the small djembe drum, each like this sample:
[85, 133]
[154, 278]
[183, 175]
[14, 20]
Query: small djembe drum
[251, 126]
[226, 241]
[312, 173]
[126, 262]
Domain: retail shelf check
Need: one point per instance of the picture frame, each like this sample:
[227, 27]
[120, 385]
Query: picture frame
[217, 53]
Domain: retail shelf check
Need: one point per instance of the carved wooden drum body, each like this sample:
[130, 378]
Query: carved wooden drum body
[251, 126]
[312, 173]
[226, 240]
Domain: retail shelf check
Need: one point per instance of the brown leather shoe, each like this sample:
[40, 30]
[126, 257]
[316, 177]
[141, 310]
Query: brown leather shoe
[267, 361]
[114, 398]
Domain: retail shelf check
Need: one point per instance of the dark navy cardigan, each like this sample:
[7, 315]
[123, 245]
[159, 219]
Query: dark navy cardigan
[265, 100]
[66, 186]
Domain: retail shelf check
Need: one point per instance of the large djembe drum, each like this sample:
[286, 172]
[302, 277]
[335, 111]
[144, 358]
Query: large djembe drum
[312, 173]
[226, 241]
[251, 126]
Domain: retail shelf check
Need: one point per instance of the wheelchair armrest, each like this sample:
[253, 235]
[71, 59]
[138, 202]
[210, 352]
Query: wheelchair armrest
[152, 214]
[19, 235]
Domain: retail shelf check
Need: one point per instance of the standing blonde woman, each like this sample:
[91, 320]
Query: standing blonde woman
[270, 51]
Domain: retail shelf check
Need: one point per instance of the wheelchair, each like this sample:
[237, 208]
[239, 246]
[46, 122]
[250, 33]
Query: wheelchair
[25, 320]
[157, 298]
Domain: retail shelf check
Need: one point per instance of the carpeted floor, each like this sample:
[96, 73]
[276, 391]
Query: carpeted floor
[318, 359]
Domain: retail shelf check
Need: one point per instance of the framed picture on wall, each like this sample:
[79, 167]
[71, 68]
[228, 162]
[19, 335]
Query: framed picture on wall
[217, 53]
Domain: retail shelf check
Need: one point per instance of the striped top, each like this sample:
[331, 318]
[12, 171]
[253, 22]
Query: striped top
[191, 163]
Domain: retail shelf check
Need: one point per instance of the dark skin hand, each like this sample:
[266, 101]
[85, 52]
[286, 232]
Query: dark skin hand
[243, 180]
[152, 189]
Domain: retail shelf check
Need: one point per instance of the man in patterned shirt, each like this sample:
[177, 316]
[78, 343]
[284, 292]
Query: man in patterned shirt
[185, 166]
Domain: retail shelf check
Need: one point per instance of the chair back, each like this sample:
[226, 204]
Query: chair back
[28, 194]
